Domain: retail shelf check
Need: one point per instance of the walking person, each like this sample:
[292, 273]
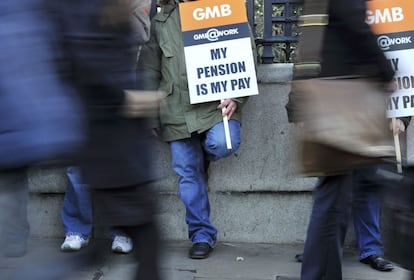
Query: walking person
[349, 48]
[77, 216]
[100, 43]
[79, 62]
[34, 105]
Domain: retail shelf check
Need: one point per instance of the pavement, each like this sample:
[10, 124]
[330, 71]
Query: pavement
[228, 261]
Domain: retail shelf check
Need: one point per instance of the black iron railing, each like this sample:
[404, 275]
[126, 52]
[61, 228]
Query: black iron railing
[274, 25]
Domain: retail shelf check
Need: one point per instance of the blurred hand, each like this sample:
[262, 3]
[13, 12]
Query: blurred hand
[390, 87]
[228, 107]
[397, 126]
[115, 13]
[140, 103]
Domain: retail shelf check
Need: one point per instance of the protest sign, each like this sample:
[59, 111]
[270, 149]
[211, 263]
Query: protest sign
[218, 50]
[393, 22]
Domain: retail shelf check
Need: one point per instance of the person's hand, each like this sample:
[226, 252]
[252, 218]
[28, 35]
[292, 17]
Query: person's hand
[139, 103]
[390, 87]
[228, 107]
[397, 126]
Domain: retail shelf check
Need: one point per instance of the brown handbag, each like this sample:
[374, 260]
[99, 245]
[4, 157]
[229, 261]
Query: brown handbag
[345, 124]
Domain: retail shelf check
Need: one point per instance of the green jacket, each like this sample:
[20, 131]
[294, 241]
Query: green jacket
[162, 65]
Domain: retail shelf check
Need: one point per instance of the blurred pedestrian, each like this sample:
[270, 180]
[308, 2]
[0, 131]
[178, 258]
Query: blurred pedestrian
[349, 48]
[101, 46]
[35, 104]
[81, 51]
[77, 206]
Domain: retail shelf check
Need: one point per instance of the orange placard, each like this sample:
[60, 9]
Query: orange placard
[209, 13]
[390, 16]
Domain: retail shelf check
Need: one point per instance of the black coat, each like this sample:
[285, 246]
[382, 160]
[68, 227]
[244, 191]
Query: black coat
[349, 47]
[101, 60]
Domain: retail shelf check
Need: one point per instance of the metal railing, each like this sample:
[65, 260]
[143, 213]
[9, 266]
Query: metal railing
[274, 25]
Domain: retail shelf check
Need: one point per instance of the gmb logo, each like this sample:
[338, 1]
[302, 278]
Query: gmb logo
[385, 42]
[214, 34]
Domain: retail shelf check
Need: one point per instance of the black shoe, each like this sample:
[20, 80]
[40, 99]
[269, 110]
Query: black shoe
[299, 258]
[200, 250]
[378, 263]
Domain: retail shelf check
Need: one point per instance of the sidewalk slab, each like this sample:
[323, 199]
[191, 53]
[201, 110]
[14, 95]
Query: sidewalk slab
[228, 261]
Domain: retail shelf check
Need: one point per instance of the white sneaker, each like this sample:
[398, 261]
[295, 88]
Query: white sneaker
[74, 242]
[122, 244]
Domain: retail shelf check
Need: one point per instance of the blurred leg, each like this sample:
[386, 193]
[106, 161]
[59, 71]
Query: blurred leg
[147, 252]
[322, 256]
[14, 226]
[131, 209]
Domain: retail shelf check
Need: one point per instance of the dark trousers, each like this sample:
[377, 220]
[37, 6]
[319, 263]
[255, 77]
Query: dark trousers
[131, 210]
[14, 225]
[322, 256]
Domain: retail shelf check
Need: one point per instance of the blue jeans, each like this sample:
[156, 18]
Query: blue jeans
[366, 213]
[77, 216]
[188, 161]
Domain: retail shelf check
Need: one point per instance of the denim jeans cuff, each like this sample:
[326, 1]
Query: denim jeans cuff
[370, 253]
[211, 243]
[84, 236]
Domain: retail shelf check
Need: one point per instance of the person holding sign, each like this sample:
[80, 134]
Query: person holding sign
[195, 132]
